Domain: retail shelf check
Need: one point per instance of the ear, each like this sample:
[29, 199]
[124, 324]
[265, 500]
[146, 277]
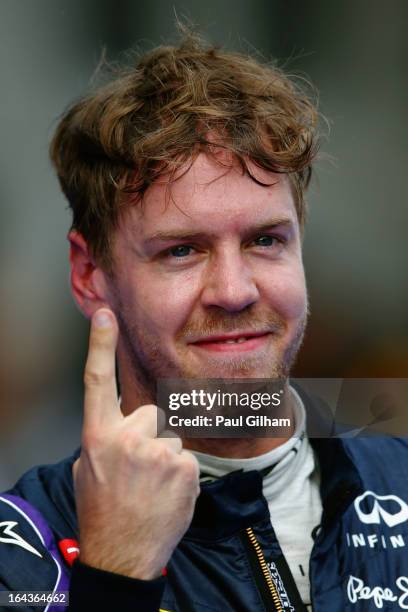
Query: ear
[88, 281]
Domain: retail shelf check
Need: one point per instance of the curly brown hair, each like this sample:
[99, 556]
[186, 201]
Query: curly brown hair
[155, 117]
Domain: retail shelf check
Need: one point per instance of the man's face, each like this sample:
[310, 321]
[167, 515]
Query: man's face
[209, 283]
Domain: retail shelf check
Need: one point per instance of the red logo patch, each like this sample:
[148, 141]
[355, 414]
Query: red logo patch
[69, 549]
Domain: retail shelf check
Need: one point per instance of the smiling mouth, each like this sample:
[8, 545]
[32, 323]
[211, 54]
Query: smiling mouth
[235, 341]
[238, 343]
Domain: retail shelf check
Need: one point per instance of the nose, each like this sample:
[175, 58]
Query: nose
[229, 283]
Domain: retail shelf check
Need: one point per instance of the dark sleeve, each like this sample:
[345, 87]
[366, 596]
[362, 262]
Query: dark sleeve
[95, 589]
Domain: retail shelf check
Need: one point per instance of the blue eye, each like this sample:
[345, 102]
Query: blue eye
[265, 241]
[180, 251]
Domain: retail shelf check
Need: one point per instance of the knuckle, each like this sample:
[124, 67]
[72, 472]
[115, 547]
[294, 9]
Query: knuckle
[160, 455]
[96, 378]
[129, 441]
[92, 438]
[147, 413]
[191, 470]
[148, 409]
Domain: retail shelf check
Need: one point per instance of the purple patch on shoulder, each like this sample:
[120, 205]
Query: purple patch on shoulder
[36, 519]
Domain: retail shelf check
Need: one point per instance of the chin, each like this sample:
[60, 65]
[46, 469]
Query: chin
[236, 369]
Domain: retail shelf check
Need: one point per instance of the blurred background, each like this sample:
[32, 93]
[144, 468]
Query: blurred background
[354, 51]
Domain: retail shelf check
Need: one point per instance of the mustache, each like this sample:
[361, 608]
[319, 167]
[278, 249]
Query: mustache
[219, 323]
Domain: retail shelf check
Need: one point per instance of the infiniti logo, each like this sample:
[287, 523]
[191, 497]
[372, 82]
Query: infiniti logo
[371, 508]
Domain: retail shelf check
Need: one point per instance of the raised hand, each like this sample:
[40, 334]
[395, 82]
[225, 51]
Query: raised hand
[135, 493]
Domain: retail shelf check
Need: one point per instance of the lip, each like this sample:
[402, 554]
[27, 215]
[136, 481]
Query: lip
[216, 344]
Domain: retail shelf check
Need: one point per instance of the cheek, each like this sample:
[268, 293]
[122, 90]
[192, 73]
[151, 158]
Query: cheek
[287, 295]
[162, 308]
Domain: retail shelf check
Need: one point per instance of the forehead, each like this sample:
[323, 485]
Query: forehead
[212, 195]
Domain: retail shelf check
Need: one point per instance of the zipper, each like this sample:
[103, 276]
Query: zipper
[318, 531]
[271, 588]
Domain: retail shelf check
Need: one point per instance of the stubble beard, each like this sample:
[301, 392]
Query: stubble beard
[149, 363]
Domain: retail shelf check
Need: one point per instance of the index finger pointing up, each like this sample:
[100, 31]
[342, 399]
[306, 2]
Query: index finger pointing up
[101, 398]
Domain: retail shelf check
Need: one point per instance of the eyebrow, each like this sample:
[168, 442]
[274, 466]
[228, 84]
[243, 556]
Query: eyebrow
[167, 236]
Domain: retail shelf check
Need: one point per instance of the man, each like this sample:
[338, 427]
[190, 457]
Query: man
[186, 178]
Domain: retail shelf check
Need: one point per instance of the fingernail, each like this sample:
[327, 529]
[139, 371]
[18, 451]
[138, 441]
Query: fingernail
[102, 319]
